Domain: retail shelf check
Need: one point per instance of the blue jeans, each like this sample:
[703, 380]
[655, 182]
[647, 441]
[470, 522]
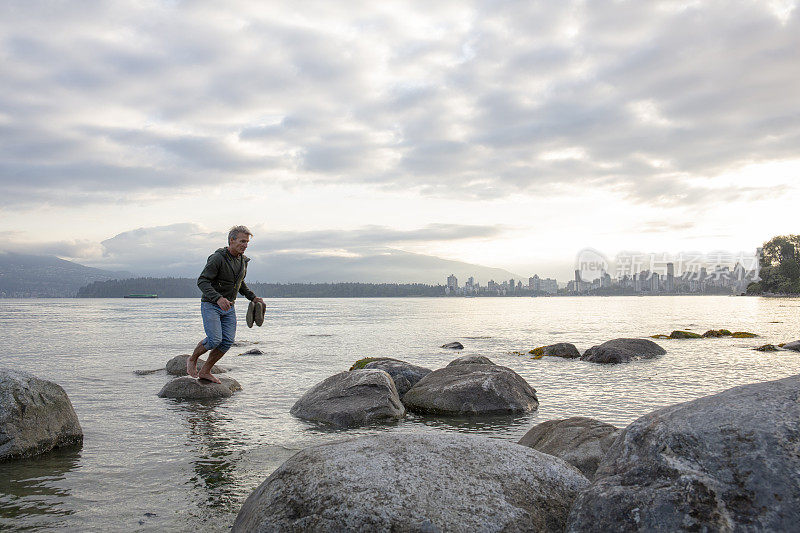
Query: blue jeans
[220, 326]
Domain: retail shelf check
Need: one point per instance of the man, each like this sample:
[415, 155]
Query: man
[220, 281]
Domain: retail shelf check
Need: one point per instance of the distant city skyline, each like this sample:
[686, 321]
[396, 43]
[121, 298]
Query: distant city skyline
[506, 135]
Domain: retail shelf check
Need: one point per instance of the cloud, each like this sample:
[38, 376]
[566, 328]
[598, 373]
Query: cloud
[106, 102]
[181, 249]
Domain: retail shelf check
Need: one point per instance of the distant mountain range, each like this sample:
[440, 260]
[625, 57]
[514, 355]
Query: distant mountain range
[38, 276]
[48, 276]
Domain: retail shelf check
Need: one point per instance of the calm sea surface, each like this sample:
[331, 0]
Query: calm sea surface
[156, 464]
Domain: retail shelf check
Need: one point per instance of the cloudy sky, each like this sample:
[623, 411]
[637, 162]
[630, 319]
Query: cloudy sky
[508, 134]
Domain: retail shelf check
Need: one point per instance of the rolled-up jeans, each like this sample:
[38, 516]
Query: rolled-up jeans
[220, 326]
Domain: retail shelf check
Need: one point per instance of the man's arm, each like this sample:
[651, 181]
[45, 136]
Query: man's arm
[245, 291]
[209, 273]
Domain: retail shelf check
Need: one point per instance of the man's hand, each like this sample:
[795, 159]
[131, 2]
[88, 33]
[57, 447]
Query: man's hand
[224, 303]
[259, 301]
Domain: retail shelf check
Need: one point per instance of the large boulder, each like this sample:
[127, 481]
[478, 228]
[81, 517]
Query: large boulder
[794, 345]
[560, 349]
[351, 398]
[476, 389]
[405, 375]
[471, 360]
[177, 366]
[189, 388]
[36, 416]
[727, 462]
[622, 351]
[408, 482]
[580, 441]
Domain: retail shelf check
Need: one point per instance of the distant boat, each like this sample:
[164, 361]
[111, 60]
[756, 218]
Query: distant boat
[142, 296]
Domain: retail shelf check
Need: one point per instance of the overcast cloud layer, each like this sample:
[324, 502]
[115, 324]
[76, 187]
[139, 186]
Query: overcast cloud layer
[116, 100]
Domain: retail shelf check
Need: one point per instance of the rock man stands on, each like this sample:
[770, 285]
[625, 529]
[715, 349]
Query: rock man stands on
[220, 281]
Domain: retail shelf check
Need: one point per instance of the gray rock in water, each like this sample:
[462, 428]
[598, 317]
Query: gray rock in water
[351, 398]
[472, 389]
[408, 482]
[177, 366]
[794, 345]
[471, 360]
[253, 351]
[580, 441]
[623, 351]
[36, 416]
[405, 375]
[727, 462]
[561, 349]
[453, 345]
[189, 388]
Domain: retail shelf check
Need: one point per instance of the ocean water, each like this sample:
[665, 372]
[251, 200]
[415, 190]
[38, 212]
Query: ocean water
[153, 464]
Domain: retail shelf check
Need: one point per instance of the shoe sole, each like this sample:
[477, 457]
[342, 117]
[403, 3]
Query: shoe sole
[250, 314]
[258, 314]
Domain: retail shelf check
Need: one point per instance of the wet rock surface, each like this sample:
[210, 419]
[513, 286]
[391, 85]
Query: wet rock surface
[189, 388]
[36, 416]
[405, 375]
[622, 351]
[351, 398]
[472, 389]
[561, 349]
[580, 441]
[794, 345]
[453, 345]
[727, 462]
[471, 360]
[407, 482]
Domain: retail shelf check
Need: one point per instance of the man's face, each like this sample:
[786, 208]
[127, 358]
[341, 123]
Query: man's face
[239, 244]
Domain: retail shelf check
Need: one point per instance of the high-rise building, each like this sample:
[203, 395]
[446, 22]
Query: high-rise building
[452, 281]
[669, 286]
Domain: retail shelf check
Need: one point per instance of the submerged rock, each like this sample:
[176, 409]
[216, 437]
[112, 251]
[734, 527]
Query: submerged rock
[472, 389]
[189, 388]
[412, 482]
[717, 333]
[471, 360]
[767, 348]
[453, 345]
[622, 351]
[743, 335]
[726, 462]
[679, 334]
[351, 398]
[177, 366]
[36, 416]
[561, 349]
[580, 441]
[405, 375]
[254, 351]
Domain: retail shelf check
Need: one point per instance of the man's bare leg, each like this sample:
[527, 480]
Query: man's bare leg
[205, 372]
[191, 361]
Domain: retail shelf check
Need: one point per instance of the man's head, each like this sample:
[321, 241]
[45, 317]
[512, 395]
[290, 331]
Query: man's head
[238, 238]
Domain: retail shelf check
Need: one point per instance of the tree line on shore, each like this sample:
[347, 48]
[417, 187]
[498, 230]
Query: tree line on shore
[187, 288]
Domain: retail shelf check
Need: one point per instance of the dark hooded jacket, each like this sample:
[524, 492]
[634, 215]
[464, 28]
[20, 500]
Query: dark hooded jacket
[224, 276]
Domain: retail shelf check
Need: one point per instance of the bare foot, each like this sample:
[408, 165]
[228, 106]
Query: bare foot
[209, 376]
[191, 367]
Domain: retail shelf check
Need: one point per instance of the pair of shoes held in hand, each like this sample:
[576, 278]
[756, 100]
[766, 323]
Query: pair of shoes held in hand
[255, 313]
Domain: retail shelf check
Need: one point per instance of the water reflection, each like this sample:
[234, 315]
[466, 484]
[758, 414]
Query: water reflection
[217, 445]
[491, 425]
[33, 493]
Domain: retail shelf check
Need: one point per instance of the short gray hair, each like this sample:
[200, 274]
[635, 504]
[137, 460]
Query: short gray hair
[236, 230]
